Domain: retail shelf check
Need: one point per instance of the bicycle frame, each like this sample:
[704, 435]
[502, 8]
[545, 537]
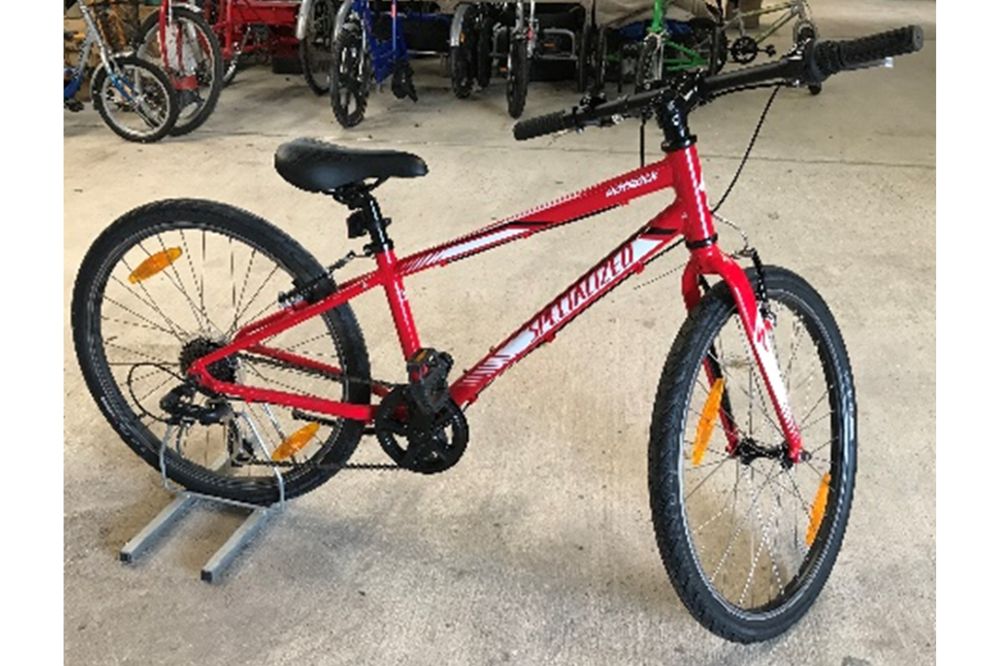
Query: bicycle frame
[91, 38]
[687, 216]
[385, 53]
[792, 8]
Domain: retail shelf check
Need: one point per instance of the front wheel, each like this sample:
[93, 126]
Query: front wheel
[749, 540]
[350, 76]
[517, 77]
[135, 99]
[168, 283]
[315, 48]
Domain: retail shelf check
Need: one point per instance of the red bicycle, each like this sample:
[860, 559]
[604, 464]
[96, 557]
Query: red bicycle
[237, 393]
[254, 30]
[181, 41]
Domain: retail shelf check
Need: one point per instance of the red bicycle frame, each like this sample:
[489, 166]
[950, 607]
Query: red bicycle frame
[688, 216]
[233, 18]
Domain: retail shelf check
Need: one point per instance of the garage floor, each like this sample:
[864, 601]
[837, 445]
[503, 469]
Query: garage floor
[537, 548]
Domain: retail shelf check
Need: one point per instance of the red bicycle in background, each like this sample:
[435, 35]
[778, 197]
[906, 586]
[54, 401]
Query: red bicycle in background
[227, 357]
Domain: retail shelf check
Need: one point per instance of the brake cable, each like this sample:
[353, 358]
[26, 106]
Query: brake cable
[746, 154]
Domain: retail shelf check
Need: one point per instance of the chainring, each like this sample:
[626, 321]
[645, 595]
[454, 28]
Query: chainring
[744, 49]
[419, 443]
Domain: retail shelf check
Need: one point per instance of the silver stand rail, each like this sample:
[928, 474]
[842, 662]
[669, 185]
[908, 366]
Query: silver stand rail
[216, 566]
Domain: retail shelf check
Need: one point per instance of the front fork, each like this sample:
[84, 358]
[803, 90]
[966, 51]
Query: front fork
[710, 260]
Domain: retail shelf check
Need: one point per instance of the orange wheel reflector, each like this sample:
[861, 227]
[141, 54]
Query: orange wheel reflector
[707, 422]
[154, 264]
[295, 442]
[818, 509]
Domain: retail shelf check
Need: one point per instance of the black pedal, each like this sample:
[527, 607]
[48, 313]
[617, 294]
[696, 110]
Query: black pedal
[428, 372]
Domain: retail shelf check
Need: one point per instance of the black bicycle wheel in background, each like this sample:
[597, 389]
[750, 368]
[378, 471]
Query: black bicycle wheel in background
[171, 281]
[141, 105]
[585, 57]
[350, 76]
[517, 76]
[462, 57]
[201, 57]
[600, 59]
[484, 50]
[315, 49]
[748, 541]
[645, 62]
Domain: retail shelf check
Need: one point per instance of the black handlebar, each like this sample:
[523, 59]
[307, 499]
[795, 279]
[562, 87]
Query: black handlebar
[810, 65]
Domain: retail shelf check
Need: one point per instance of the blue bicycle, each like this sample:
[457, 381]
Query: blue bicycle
[133, 97]
[370, 46]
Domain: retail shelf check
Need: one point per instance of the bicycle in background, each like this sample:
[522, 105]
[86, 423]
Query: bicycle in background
[133, 97]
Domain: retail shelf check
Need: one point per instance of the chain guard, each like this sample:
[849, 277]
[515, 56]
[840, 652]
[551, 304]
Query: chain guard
[421, 443]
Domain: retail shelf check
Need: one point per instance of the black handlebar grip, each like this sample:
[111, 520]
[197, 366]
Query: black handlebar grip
[828, 58]
[542, 125]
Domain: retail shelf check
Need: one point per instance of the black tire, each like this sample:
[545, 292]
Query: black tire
[460, 71]
[218, 223]
[698, 343]
[158, 95]
[462, 66]
[315, 49]
[644, 64]
[350, 76]
[517, 77]
[585, 58]
[816, 89]
[191, 114]
[484, 52]
[601, 59]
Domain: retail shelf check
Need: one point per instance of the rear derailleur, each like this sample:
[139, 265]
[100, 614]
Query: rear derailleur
[417, 424]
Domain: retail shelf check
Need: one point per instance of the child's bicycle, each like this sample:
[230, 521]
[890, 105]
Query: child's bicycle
[745, 48]
[133, 97]
[675, 46]
[370, 47]
[228, 358]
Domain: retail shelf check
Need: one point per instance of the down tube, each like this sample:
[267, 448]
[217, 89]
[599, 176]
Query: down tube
[629, 257]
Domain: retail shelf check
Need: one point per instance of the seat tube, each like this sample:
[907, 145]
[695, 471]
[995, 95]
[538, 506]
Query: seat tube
[395, 293]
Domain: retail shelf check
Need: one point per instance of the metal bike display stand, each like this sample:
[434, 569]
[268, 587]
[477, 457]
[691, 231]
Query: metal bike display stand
[216, 566]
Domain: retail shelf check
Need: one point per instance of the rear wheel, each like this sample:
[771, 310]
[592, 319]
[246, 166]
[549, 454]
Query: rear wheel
[193, 59]
[484, 52]
[462, 57]
[517, 77]
[317, 45]
[136, 100]
[168, 283]
[585, 58]
[747, 540]
[350, 76]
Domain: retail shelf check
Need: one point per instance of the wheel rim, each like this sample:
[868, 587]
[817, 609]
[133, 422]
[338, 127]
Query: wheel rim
[758, 529]
[167, 297]
[135, 100]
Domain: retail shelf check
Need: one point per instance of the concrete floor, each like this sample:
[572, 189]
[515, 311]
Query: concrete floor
[537, 548]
